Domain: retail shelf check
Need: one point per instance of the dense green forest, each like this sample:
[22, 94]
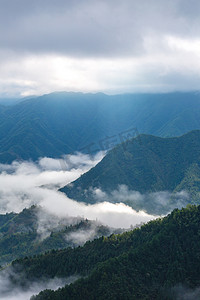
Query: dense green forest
[146, 263]
[60, 123]
[20, 235]
[147, 164]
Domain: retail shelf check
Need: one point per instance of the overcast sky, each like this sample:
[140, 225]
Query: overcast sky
[112, 46]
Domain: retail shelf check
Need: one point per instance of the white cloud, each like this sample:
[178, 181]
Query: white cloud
[162, 202]
[113, 215]
[9, 291]
[25, 184]
[80, 236]
[169, 63]
[181, 292]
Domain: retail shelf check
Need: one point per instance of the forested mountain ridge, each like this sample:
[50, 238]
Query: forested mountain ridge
[24, 234]
[60, 123]
[146, 263]
[147, 164]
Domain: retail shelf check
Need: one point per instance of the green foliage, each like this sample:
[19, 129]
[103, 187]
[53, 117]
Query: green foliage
[145, 263]
[146, 164]
[19, 236]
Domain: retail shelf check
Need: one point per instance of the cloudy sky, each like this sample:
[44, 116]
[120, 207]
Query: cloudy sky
[99, 45]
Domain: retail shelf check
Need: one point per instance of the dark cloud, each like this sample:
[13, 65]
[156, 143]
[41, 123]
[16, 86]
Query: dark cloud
[92, 28]
[111, 46]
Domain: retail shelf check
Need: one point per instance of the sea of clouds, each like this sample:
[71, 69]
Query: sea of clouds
[27, 183]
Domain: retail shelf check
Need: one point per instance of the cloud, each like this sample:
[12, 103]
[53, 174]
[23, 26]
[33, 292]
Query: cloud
[27, 183]
[79, 237]
[158, 70]
[9, 291]
[113, 215]
[87, 231]
[111, 46]
[49, 222]
[24, 184]
[156, 203]
[181, 292]
[82, 231]
[93, 28]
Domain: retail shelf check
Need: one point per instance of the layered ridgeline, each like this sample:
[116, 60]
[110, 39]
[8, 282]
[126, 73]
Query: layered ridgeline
[157, 261]
[34, 231]
[159, 168]
[61, 123]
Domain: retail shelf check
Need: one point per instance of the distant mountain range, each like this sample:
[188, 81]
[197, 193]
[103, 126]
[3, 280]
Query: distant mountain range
[146, 164]
[152, 163]
[61, 123]
[158, 261]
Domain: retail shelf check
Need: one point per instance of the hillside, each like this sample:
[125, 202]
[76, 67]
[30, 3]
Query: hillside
[61, 123]
[147, 164]
[146, 263]
[26, 234]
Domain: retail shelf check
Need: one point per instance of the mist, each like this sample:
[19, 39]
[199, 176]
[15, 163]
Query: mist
[25, 184]
[156, 203]
[79, 237]
[87, 233]
[181, 292]
[9, 291]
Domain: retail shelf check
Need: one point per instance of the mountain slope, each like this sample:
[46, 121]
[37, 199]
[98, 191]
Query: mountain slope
[26, 234]
[146, 263]
[147, 164]
[60, 123]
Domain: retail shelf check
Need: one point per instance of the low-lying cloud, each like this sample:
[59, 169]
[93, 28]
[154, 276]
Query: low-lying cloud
[93, 229]
[79, 237]
[155, 203]
[181, 292]
[47, 222]
[10, 291]
[27, 183]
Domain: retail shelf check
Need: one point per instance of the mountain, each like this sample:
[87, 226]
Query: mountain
[61, 123]
[34, 231]
[157, 261]
[147, 164]
[11, 101]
